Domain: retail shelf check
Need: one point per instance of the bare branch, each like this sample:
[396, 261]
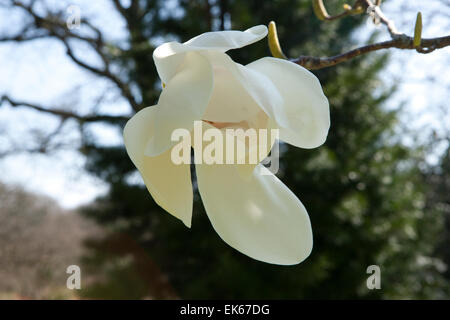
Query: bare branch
[105, 72]
[322, 13]
[399, 40]
[64, 114]
[383, 19]
[24, 35]
[119, 7]
[53, 26]
[427, 46]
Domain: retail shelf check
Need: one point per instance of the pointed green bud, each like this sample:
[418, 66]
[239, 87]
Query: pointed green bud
[319, 10]
[274, 44]
[418, 30]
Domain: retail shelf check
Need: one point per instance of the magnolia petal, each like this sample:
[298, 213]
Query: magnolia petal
[259, 217]
[169, 184]
[170, 55]
[239, 93]
[258, 150]
[183, 101]
[229, 102]
[263, 92]
[227, 40]
[245, 144]
[305, 106]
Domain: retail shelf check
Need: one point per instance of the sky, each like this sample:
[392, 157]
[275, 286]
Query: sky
[40, 72]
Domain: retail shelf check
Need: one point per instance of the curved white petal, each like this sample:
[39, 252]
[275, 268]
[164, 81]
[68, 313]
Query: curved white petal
[227, 40]
[239, 93]
[263, 91]
[167, 58]
[170, 55]
[169, 184]
[305, 107]
[182, 101]
[259, 216]
[246, 143]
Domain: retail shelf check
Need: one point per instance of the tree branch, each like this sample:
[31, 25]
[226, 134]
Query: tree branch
[53, 26]
[322, 13]
[119, 7]
[64, 114]
[427, 46]
[399, 40]
[24, 35]
[105, 72]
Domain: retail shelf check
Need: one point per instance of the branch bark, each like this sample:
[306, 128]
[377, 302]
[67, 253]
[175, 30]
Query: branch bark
[398, 40]
[53, 26]
[65, 114]
[427, 46]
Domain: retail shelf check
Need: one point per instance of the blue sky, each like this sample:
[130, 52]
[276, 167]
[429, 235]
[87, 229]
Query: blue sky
[40, 72]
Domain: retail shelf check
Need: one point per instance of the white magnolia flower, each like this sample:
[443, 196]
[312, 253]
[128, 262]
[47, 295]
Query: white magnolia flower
[254, 213]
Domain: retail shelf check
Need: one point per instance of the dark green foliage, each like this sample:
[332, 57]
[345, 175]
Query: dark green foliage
[363, 193]
[438, 196]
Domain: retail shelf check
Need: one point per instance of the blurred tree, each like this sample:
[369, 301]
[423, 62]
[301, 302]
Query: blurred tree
[39, 240]
[362, 188]
[438, 199]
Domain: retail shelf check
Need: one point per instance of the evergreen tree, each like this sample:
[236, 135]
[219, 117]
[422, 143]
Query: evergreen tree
[438, 200]
[362, 192]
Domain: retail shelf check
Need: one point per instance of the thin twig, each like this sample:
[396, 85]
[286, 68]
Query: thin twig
[427, 46]
[322, 13]
[399, 40]
[65, 114]
[52, 26]
[383, 19]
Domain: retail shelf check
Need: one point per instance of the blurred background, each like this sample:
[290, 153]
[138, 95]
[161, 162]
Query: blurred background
[378, 190]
